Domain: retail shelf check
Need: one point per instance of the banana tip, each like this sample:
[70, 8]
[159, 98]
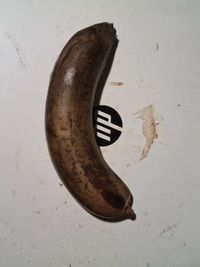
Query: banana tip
[133, 216]
[130, 214]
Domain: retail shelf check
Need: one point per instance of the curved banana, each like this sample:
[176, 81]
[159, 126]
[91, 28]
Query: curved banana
[69, 128]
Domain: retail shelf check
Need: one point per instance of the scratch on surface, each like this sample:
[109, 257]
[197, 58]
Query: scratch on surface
[17, 48]
[17, 160]
[149, 128]
[157, 47]
[116, 83]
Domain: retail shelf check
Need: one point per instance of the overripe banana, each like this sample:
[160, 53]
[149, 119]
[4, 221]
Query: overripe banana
[69, 128]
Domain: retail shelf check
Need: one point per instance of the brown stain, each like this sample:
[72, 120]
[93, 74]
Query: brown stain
[116, 83]
[149, 128]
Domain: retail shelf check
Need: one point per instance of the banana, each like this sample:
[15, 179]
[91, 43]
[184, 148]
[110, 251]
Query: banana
[69, 128]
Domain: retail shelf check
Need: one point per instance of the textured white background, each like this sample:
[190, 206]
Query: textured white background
[40, 223]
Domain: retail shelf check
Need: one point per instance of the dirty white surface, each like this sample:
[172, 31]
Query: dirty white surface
[158, 62]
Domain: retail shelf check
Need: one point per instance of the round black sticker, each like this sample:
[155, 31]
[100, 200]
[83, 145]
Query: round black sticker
[107, 124]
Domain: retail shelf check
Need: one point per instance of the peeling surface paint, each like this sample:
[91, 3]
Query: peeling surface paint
[149, 128]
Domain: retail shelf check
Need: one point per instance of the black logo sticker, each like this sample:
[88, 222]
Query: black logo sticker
[107, 124]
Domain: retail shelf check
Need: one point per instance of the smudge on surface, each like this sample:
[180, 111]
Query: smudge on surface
[38, 212]
[17, 48]
[149, 128]
[170, 230]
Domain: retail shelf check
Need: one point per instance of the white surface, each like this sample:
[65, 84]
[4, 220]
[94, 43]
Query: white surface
[37, 226]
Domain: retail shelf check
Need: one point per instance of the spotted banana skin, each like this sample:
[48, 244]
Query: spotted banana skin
[69, 125]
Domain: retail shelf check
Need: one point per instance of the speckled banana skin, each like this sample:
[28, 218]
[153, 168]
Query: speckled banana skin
[69, 128]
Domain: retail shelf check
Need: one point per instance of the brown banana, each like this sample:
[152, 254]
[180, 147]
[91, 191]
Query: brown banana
[69, 127]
